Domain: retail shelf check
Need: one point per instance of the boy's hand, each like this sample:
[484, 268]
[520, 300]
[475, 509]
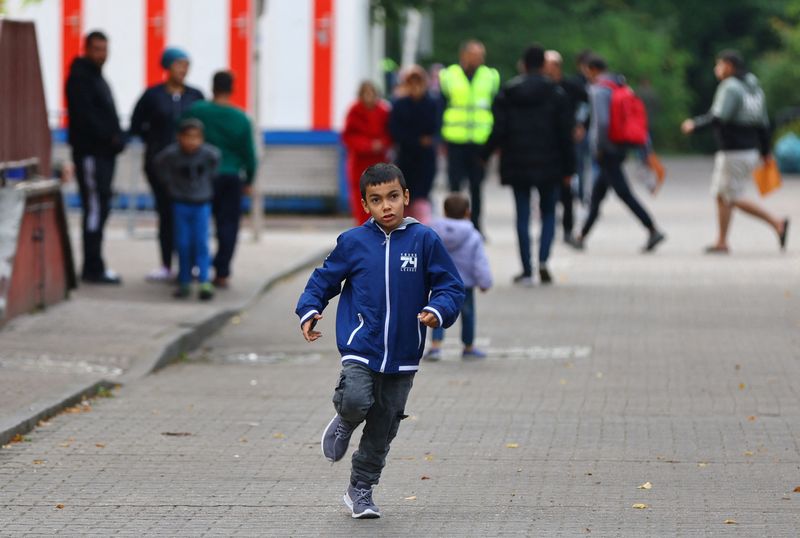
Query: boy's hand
[428, 319]
[308, 328]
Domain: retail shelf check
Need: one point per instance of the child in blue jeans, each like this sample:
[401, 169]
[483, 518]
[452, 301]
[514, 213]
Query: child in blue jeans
[187, 168]
[465, 245]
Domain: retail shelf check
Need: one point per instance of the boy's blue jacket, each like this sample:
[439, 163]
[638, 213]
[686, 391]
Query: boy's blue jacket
[388, 280]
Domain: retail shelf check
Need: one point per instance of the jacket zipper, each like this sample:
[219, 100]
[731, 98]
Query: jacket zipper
[353, 334]
[388, 306]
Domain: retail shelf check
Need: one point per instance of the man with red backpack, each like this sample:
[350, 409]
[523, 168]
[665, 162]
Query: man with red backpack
[618, 122]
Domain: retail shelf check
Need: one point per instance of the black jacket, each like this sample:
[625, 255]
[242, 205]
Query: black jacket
[533, 124]
[155, 117]
[93, 123]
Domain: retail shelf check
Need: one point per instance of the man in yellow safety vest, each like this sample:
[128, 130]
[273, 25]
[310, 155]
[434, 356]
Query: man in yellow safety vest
[468, 89]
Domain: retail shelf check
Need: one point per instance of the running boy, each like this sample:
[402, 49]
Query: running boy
[187, 168]
[398, 280]
[464, 243]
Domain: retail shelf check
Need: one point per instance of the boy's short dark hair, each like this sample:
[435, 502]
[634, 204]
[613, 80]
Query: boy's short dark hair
[222, 83]
[596, 61]
[188, 124]
[533, 57]
[456, 206]
[378, 174]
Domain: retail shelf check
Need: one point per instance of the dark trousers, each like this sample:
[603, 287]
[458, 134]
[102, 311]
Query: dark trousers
[547, 209]
[567, 217]
[166, 226]
[467, 320]
[463, 161]
[227, 208]
[191, 240]
[95, 174]
[611, 175]
[380, 400]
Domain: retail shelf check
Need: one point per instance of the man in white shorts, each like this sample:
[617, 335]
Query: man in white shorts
[738, 116]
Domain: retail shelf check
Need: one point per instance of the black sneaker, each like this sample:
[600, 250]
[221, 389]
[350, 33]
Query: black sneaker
[335, 439]
[108, 278]
[182, 291]
[655, 238]
[544, 276]
[358, 499]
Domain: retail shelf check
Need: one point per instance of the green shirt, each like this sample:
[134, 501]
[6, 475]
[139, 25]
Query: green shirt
[227, 128]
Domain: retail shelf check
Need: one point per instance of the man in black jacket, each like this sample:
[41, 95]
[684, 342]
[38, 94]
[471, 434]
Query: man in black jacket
[96, 139]
[533, 125]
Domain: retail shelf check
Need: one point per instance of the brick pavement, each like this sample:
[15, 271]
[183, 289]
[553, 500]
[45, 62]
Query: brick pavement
[684, 378]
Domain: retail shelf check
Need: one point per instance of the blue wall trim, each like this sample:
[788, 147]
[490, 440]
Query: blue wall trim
[301, 138]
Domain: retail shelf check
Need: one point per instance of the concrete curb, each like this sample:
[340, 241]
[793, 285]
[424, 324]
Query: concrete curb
[182, 341]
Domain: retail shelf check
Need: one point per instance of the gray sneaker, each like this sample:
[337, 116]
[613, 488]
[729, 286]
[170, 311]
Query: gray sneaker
[358, 499]
[335, 439]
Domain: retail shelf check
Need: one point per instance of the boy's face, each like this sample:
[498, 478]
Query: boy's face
[386, 203]
[190, 140]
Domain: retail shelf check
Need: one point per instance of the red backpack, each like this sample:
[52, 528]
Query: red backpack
[627, 117]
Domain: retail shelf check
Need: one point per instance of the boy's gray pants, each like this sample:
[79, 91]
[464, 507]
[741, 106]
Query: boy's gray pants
[380, 399]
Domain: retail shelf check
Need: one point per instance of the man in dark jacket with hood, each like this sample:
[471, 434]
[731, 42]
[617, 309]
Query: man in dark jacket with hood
[533, 125]
[96, 139]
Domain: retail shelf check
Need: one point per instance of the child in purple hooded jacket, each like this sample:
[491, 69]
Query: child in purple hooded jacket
[465, 245]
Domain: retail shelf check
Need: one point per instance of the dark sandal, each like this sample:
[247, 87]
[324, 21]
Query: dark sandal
[782, 236]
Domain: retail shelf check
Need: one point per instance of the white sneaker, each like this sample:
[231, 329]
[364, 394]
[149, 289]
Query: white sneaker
[162, 274]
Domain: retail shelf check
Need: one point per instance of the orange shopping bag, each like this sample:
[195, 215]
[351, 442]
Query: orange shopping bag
[767, 176]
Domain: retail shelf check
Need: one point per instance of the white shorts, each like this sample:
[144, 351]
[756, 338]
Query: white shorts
[733, 173]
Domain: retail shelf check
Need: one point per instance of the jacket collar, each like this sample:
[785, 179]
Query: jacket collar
[407, 221]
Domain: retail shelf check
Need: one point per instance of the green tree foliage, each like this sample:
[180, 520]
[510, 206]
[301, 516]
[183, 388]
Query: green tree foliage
[672, 43]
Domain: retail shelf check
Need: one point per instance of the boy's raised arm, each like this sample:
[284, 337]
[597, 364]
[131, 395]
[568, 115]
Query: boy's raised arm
[447, 289]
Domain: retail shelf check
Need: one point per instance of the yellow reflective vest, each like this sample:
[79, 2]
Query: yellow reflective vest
[468, 116]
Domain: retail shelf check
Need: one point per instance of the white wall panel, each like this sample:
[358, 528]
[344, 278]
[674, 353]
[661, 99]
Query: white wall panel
[200, 27]
[351, 54]
[123, 23]
[285, 82]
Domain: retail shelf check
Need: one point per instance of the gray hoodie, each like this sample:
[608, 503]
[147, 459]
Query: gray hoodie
[189, 176]
[738, 115]
[465, 245]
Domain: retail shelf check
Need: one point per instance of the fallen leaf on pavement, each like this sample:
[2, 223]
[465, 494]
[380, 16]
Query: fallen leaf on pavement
[702, 464]
[60, 506]
[731, 522]
[236, 320]
[412, 498]
[423, 477]
[640, 506]
[797, 489]
[429, 457]
[65, 445]
[278, 435]
[646, 485]
[751, 418]
[562, 381]
[38, 462]
[176, 434]
[748, 452]
[741, 386]
[512, 445]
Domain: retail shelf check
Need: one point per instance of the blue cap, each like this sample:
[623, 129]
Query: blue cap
[171, 55]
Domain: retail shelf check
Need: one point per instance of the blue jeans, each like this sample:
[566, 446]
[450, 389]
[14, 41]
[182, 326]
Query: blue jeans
[467, 320]
[191, 239]
[548, 194]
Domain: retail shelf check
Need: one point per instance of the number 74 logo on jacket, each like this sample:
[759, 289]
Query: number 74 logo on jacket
[409, 261]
